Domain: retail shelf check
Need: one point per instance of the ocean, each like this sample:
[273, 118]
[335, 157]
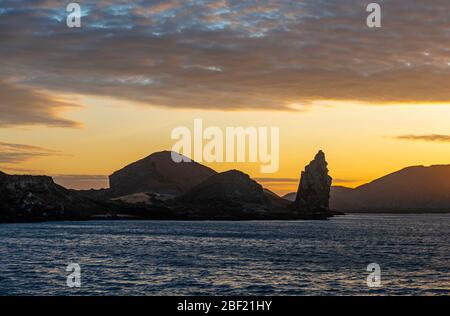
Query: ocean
[229, 258]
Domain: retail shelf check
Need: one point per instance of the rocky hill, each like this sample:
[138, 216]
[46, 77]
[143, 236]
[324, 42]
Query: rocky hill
[38, 198]
[157, 173]
[231, 195]
[231, 186]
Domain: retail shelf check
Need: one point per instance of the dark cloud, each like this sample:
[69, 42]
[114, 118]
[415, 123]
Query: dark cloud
[256, 54]
[427, 138]
[11, 153]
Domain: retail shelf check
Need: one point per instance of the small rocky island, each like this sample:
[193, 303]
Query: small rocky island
[313, 192]
[159, 189]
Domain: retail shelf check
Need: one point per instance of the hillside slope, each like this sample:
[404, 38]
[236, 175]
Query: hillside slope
[415, 188]
[158, 173]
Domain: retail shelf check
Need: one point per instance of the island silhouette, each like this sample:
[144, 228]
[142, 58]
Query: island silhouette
[157, 188]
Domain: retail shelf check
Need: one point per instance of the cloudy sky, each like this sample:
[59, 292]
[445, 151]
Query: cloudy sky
[86, 101]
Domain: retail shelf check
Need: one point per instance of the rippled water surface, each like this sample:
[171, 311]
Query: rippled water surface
[229, 258]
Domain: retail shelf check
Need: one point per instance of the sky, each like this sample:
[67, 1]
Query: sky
[80, 103]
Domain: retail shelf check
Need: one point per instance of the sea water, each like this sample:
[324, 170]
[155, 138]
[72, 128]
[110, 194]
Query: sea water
[229, 258]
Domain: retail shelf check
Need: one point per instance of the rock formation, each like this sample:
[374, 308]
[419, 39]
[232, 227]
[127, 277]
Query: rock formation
[157, 173]
[38, 198]
[314, 189]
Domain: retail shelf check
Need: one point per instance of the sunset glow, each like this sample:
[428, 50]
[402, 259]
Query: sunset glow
[89, 101]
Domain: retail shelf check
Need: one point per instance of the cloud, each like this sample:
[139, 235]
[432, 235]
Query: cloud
[343, 181]
[20, 170]
[225, 55]
[24, 106]
[11, 153]
[436, 138]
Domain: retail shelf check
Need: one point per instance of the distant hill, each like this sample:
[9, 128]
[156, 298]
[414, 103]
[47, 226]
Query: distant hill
[413, 189]
[290, 196]
[158, 173]
[341, 198]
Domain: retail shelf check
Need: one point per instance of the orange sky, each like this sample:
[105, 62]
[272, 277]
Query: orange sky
[357, 139]
[80, 103]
